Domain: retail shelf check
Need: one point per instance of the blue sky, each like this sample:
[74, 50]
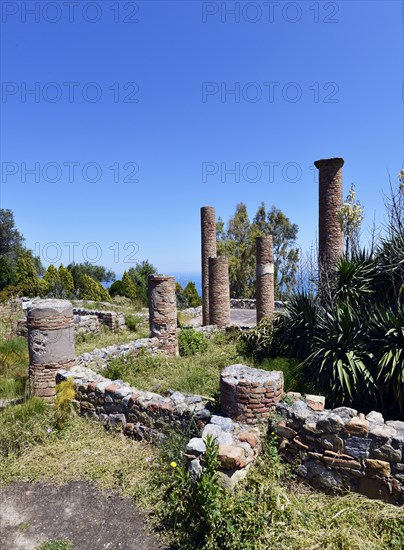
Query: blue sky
[150, 103]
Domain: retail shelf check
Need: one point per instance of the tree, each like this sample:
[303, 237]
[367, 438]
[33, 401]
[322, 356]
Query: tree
[139, 276]
[350, 216]
[192, 296]
[93, 290]
[66, 278]
[128, 287]
[237, 242]
[7, 273]
[11, 240]
[97, 272]
[26, 275]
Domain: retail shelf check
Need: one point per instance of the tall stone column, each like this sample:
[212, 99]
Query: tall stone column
[50, 344]
[330, 236]
[163, 312]
[264, 282]
[219, 292]
[208, 244]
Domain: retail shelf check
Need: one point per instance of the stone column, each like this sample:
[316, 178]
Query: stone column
[219, 292]
[50, 344]
[330, 236]
[163, 312]
[208, 244]
[264, 282]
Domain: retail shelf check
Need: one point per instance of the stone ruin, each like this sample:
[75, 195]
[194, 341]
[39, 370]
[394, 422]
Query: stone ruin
[208, 250]
[265, 278]
[163, 312]
[330, 236]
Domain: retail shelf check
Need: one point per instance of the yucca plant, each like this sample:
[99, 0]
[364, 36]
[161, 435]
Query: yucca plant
[300, 325]
[355, 278]
[386, 343]
[339, 364]
[390, 268]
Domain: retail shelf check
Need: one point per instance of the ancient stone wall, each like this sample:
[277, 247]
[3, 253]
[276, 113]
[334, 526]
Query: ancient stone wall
[248, 303]
[264, 282]
[219, 292]
[163, 312]
[330, 236]
[112, 319]
[343, 450]
[249, 395]
[208, 250]
[140, 414]
[50, 344]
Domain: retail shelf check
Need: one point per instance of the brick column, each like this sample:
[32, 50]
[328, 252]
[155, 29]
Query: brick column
[264, 282]
[163, 312]
[219, 292]
[330, 236]
[208, 244]
[50, 344]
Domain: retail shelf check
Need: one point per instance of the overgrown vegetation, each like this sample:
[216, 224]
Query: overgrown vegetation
[191, 342]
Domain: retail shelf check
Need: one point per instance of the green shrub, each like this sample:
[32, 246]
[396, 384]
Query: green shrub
[133, 321]
[258, 341]
[93, 290]
[191, 342]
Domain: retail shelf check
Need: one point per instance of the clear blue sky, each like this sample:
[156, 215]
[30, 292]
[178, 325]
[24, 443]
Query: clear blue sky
[344, 59]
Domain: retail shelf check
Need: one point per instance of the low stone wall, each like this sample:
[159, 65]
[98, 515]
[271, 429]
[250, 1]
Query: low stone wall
[113, 320]
[99, 358]
[244, 303]
[342, 450]
[140, 414]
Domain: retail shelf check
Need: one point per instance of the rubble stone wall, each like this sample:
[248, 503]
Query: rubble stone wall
[140, 414]
[343, 450]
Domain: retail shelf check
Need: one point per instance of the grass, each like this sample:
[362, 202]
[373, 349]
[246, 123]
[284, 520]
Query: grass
[88, 342]
[81, 450]
[270, 509]
[61, 544]
[13, 367]
[196, 374]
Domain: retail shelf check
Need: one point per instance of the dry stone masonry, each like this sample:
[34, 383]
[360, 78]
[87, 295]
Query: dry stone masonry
[330, 236]
[208, 241]
[139, 414]
[219, 292]
[50, 344]
[265, 278]
[341, 449]
[113, 320]
[249, 395]
[163, 312]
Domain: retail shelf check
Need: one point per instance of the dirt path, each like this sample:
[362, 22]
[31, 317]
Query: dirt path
[93, 520]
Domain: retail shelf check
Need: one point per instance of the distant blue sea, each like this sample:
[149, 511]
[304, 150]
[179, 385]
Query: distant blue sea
[184, 278]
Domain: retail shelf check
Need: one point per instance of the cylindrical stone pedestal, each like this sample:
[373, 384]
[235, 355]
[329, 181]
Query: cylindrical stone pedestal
[208, 244]
[163, 312]
[249, 395]
[50, 344]
[219, 292]
[330, 236]
[264, 282]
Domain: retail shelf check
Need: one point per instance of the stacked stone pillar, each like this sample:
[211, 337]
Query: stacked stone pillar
[331, 238]
[264, 281]
[219, 292]
[50, 344]
[163, 312]
[208, 242]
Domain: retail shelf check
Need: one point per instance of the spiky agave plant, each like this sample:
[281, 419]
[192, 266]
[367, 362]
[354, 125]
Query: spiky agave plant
[355, 278]
[386, 343]
[300, 325]
[340, 364]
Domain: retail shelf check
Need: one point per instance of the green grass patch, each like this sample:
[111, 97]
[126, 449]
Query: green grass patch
[88, 342]
[61, 544]
[13, 367]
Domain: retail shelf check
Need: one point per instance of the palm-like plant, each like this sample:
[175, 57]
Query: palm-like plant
[340, 362]
[299, 326]
[386, 343]
[355, 278]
